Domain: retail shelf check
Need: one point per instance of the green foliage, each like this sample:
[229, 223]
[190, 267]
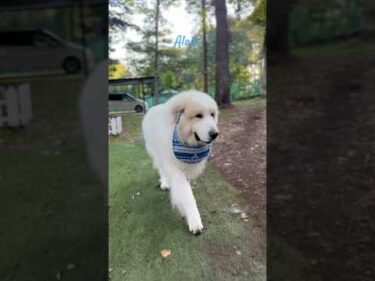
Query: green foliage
[323, 22]
[144, 50]
[168, 80]
[119, 12]
[181, 68]
[259, 14]
[240, 51]
[241, 6]
[117, 70]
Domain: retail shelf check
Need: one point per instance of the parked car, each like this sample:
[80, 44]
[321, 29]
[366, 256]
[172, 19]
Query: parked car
[166, 95]
[169, 93]
[35, 50]
[126, 102]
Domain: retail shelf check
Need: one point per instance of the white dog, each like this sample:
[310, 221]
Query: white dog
[178, 135]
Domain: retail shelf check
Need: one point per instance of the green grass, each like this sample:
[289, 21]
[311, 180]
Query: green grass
[51, 204]
[255, 103]
[49, 107]
[258, 102]
[140, 226]
[132, 131]
[37, 197]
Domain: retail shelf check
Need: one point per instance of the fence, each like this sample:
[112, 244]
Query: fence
[15, 105]
[114, 125]
[237, 92]
[162, 99]
[242, 91]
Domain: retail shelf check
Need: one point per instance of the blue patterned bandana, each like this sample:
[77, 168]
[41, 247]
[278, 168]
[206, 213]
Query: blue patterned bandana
[189, 153]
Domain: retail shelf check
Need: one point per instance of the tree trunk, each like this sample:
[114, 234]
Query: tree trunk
[238, 10]
[277, 27]
[264, 71]
[222, 54]
[368, 21]
[156, 66]
[205, 62]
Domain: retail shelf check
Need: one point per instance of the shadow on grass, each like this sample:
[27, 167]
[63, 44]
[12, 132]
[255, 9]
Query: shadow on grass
[141, 224]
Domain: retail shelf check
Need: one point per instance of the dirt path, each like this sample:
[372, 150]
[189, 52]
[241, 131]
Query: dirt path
[321, 163]
[240, 154]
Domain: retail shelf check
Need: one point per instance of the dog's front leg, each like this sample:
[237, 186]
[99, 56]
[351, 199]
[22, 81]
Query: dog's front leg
[183, 200]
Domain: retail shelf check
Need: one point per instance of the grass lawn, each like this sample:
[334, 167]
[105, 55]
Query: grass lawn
[257, 102]
[41, 193]
[54, 112]
[347, 47]
[51, 204]
[141, 223]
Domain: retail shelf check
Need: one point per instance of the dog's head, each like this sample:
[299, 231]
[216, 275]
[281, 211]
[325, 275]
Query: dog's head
[197, 117]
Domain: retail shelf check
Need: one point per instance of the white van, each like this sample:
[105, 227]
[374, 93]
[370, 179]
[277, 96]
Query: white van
[125, 102]
[38, 50]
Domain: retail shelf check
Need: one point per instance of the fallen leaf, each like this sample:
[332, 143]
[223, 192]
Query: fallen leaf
[238, 252]
[165, 253]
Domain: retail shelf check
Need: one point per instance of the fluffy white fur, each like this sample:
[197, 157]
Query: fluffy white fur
[94, 97]
[197, 113]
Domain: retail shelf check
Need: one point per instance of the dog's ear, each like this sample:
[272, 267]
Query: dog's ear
[178, 112]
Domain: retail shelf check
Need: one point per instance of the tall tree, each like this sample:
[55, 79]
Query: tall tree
[201, 7]
[258, 19]
[153, 34]
[277, 28]
[222, 54]
[204, 40]
[119, 12]
[156, 66]
[241, 7]
[258, 16]
[145, 49]
[159, 4]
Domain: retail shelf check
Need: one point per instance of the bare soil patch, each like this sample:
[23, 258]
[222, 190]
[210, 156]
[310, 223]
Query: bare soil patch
[240, 155]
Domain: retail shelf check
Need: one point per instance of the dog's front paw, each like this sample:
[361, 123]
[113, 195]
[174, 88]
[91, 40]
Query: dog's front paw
[195, 224]
[164, 184]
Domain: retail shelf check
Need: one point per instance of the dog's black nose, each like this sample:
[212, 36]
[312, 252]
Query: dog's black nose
[213, 135]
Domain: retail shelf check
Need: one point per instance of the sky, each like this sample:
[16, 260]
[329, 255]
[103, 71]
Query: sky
[180, 23]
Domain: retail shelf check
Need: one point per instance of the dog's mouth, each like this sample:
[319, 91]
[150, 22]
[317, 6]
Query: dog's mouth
[197, 138]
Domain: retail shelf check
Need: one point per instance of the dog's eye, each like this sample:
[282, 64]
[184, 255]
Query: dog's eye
[200, 116]
[213, 114]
